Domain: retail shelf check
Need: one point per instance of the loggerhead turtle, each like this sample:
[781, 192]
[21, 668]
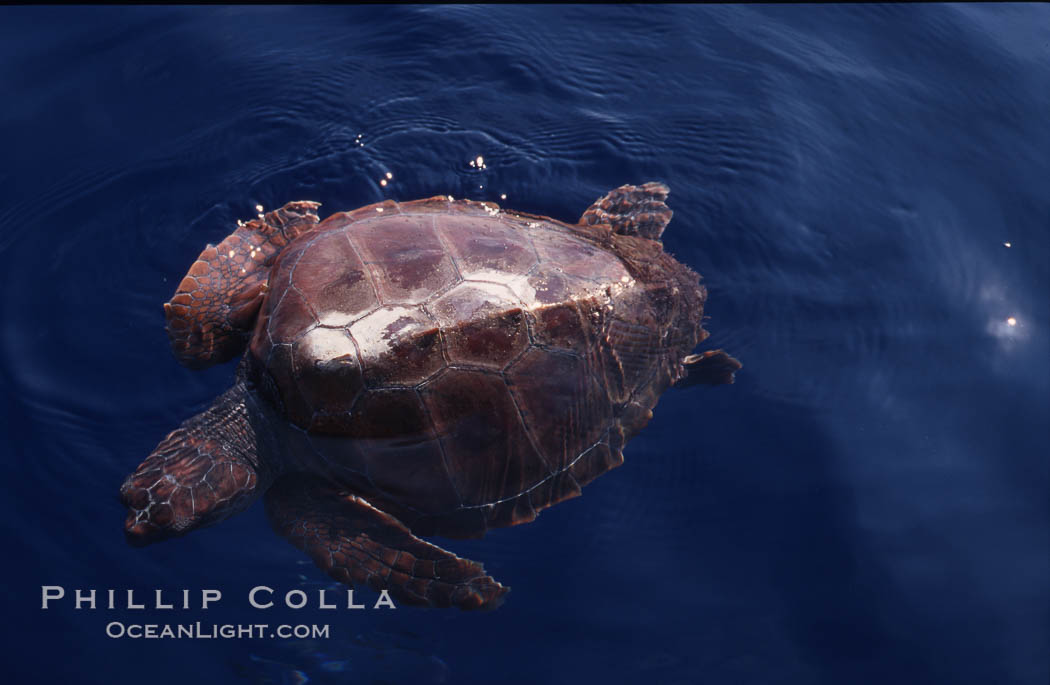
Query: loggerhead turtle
[436, 367]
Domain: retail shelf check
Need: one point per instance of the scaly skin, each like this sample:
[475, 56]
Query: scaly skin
[354, 542]
[203, 472]
[632, 210]
[214, 308]
[533, 409]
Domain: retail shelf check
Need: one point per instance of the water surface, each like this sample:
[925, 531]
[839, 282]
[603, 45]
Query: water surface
[867, 504]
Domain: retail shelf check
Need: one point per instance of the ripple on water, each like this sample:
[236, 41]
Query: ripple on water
[811, 172]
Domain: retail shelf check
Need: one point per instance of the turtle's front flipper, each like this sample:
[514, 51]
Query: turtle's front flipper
[632, 210]
[713, 367]
[354, 542]
[204, 471]
[214, 308]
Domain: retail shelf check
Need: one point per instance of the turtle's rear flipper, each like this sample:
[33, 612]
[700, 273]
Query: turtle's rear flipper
[632, 210]
[213, 309]
[713, 367]
[354, 542]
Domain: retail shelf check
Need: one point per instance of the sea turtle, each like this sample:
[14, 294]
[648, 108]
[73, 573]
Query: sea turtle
[436, 367]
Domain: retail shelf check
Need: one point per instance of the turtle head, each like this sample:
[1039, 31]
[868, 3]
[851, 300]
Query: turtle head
[201, 473]
[211, 316]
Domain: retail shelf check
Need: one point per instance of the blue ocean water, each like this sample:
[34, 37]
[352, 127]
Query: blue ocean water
[865, 189]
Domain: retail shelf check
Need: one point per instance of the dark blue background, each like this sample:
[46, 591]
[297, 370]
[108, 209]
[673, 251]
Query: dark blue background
[868, 504]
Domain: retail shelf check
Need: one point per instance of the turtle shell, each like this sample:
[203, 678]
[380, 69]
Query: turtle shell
[485, 363]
